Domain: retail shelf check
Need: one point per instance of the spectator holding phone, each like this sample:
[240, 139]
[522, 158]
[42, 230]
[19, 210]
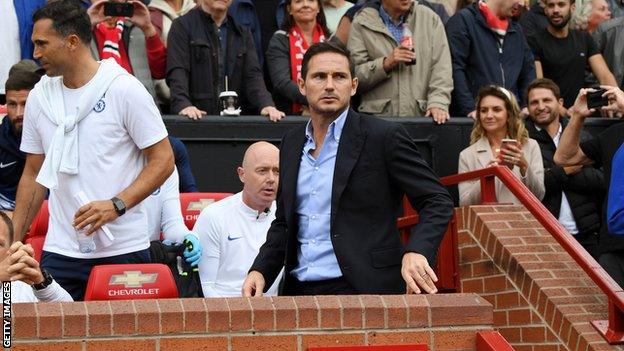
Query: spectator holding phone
[500, 138]
[605, 151]
[125, 32]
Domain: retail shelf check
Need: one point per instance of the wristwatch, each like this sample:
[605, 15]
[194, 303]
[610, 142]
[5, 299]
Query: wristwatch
[120, 206]
[47, 280]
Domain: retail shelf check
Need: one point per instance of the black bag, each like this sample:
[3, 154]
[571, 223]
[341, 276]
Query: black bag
[186, 277]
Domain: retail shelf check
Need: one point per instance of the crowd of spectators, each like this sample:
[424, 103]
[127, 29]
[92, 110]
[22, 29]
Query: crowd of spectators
[188, 52]
[412, 58]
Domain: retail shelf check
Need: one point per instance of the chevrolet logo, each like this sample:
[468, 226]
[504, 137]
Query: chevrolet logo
[133, 279]
[199, 205]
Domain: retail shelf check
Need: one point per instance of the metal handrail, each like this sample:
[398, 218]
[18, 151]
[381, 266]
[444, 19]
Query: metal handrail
[613, 329]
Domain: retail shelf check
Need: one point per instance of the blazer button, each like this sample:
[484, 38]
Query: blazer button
[336, 236]
[346, 268]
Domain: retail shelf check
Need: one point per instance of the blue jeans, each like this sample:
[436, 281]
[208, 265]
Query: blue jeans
[73, 273]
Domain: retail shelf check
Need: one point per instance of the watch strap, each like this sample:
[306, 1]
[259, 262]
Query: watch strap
[47, 280]
[119, 205]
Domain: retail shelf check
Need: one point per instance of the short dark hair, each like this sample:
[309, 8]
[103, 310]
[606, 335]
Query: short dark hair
[21, 80]
[323, 47]
[68, 17]
[544, 83]
[9, 224]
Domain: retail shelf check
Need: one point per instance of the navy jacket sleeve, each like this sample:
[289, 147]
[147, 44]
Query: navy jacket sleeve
[459, 42]
[527, 74]
[424, 191]
[187, 181]
[178, 66]
[253, 77]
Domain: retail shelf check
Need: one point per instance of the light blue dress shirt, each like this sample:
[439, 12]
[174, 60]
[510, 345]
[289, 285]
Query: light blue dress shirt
[316, 257]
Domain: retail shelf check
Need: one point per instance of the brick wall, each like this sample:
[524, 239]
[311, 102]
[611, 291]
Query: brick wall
[542, 299]
[444, 322]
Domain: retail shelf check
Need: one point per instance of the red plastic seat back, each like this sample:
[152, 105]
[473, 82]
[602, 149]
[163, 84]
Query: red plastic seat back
[39, 225]
[130, 282]
[193, 203]
[37, 244]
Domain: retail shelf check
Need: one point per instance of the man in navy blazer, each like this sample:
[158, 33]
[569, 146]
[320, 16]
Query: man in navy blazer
[337, 204]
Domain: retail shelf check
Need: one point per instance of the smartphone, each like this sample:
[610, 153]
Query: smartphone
[118, 9]
[504, 144]
[596, 100]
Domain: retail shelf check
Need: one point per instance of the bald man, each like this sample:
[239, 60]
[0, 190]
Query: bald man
[232, 230]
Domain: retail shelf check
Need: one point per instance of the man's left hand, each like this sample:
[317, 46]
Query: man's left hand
[96, 213]
[193, 256]
[141, 19]
[417, 274]
[439, 115]
[273, 113]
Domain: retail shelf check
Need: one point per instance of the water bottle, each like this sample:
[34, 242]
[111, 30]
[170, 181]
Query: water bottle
[408, 42]
[86, 243]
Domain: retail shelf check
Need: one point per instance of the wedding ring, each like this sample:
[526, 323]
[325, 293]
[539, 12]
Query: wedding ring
[423, 275]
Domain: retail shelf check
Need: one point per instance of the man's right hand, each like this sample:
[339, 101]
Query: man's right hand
[400, 54]
[96, 12]
[192, 112]
[579, 109]
[253, 285]
[473, 114]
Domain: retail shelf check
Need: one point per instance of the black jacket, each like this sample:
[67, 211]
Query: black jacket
[285, 90]
[193, 66]
[584, 190]
[12, 162]
[376, 164]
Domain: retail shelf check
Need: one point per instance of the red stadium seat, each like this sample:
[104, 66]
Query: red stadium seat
[39, 226]
[130, 282]
[193, 203]
[37, 244]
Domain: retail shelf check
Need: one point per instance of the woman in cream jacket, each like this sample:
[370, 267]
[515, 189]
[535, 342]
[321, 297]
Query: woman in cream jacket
[498, 118]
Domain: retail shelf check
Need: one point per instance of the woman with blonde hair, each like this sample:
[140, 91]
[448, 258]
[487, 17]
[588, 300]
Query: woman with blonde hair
[498, 119]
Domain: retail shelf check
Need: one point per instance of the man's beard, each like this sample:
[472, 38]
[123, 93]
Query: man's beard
[562, 24]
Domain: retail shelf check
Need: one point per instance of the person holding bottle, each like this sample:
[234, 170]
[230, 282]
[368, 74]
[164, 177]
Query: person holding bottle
[403, 61]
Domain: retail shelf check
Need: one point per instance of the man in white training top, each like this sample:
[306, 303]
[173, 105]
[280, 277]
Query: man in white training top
[232, 230]
[94, 137]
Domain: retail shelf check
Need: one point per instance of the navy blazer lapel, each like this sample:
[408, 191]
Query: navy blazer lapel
[351, 143]
[289, 173]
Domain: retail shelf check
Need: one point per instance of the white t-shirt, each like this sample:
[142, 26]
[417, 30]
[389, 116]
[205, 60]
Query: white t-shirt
[10, 51]
[110, 139]
[164, 213]
[231, 234]
[22, 292]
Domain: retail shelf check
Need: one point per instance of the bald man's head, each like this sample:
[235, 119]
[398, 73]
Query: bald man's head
[260, 175]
